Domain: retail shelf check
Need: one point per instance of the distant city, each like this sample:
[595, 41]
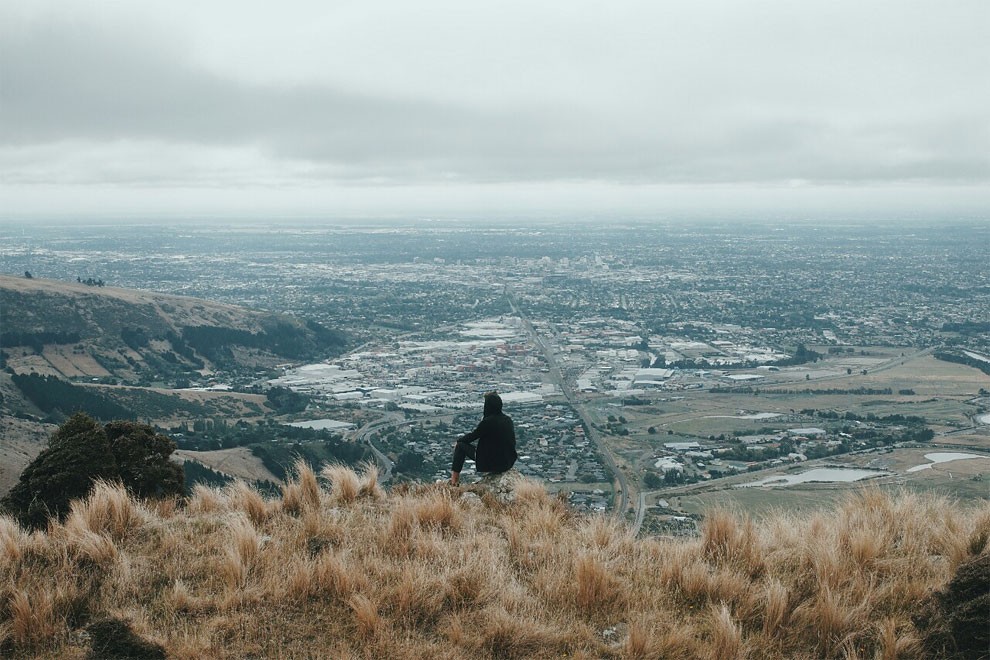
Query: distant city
[600, 339]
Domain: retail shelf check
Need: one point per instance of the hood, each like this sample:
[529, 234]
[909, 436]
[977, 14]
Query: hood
[493, 403]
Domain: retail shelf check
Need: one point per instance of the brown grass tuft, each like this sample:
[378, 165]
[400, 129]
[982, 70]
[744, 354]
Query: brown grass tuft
[777, 607]
[366, 617]
[603, 532]
[333, 577]
[642, 642]
[530, 491]
[979, 538]
[727, 641]
[90, 548]
[895, 645]
[13, 541]
[204, 499]
[731, 540]
[243, 497]
[417, 598]
[506, 636]
[597, 592]
[829, 619]
[241, 554]
[310, 493]
[678, 643]
[692, 579]
[32, 618]
[344, 483]
[401, 528]
[180, 599]
[437, 510]
[466, 586]
[369, 486]
[108, 509]
[292, 499]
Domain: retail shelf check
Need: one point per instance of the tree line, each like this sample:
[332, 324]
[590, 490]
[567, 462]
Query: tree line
[52, 395]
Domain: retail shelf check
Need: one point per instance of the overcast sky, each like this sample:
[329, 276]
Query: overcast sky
[355, 108]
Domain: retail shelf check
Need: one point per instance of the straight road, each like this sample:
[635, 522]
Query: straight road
[622, 494]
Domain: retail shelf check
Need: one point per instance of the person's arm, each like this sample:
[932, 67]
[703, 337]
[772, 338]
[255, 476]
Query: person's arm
[471, 436]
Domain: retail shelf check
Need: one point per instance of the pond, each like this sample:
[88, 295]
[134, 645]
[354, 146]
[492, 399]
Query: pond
[818, 475]
[942, 457]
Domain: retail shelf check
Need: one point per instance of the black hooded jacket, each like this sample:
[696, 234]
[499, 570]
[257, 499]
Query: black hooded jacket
[496, 438]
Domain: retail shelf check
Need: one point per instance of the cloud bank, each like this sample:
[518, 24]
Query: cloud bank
[440, 99]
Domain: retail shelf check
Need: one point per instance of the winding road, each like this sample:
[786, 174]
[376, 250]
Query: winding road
[363, 434]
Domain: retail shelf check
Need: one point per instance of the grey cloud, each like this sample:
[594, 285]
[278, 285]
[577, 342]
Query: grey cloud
[62, 81]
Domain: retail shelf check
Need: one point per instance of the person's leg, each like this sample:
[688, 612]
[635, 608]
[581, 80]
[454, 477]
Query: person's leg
[462, 451]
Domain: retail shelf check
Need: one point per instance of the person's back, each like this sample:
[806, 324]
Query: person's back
[496, 437]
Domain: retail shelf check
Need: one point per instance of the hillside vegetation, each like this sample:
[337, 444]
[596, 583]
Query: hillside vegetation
[337, 567]
[71, 330]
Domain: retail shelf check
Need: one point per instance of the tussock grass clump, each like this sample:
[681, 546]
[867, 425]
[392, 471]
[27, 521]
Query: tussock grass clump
[241, 497]
[31, 619]
[108, 509]
[204, 499]
[339, 567]
[345, 486]
[14, 541]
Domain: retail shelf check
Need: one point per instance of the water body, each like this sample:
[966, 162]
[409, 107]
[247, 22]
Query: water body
[942, 457]
[764, 415]
[818, 475]
[323, 425]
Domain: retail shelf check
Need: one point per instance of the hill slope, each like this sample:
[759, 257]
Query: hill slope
[430, 572]
[72, 330]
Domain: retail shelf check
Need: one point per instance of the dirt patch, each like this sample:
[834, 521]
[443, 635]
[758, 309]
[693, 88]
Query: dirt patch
[954, 620]
[20, 442]
[238, 462]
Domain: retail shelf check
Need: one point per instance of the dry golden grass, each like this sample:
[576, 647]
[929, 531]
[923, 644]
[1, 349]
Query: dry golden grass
[351, 571]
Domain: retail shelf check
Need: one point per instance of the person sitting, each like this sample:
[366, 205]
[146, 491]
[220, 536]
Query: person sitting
[496, 438]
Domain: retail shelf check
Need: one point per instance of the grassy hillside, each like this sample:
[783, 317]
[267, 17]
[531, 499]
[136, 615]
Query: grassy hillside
[71, 330]
[431, 572]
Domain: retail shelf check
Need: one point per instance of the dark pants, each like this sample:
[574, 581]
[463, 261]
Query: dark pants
[462, 450]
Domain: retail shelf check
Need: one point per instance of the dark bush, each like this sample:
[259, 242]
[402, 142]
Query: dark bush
[78, 454]
[142, 460]
[81, 452]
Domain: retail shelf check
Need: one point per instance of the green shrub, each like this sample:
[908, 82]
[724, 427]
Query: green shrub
[81, 452]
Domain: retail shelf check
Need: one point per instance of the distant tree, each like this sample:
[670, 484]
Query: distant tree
[197, 473]
[652, 430]
[652, 480]
[81, 452]
[28, 275]
[284, 400]
[51, 394]
[409, 462]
